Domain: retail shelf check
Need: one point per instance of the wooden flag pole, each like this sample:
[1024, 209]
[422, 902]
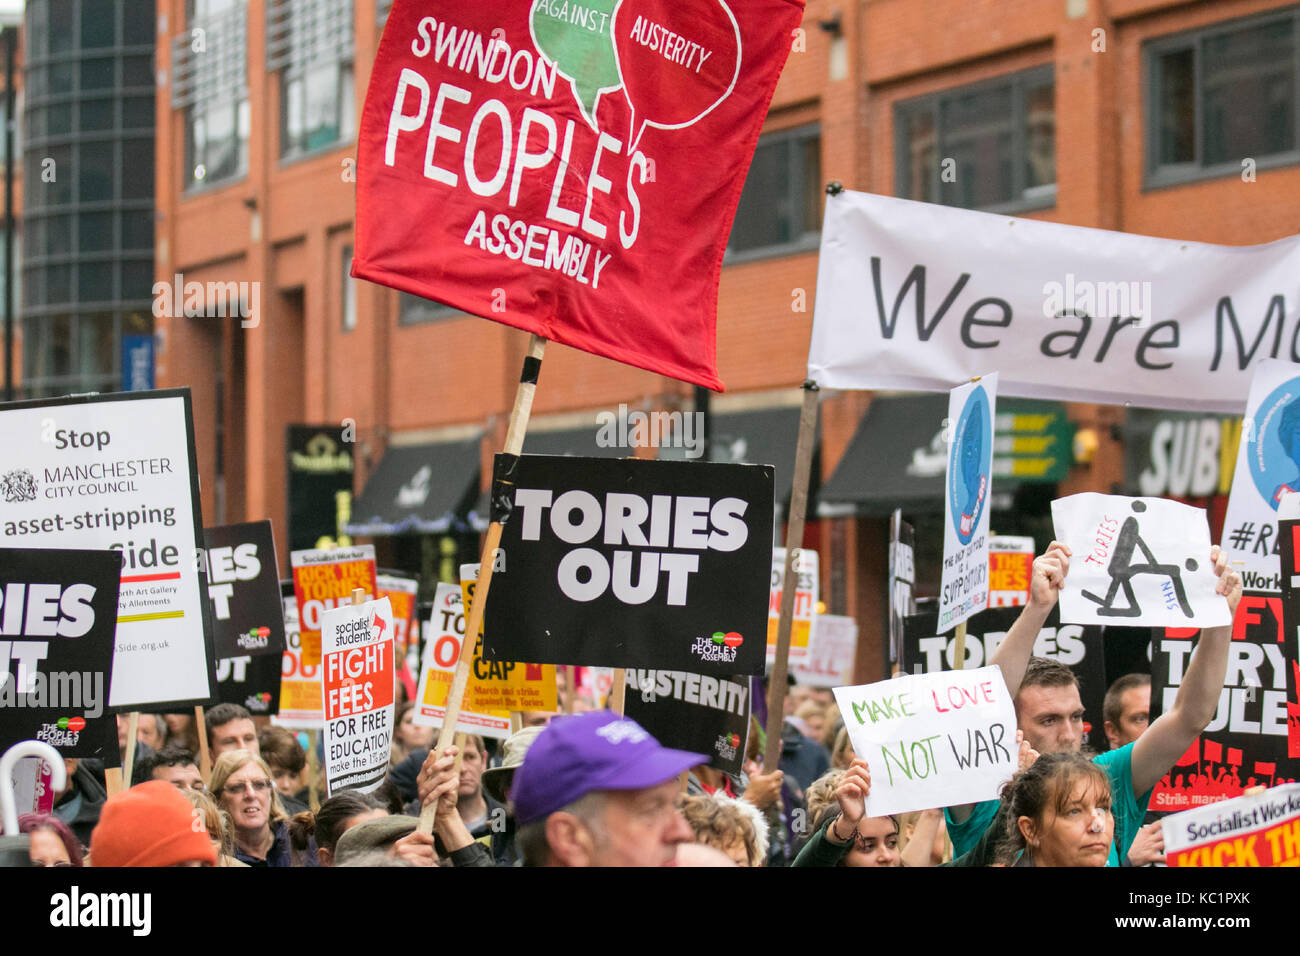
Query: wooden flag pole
[618, 691]
[128, 759]
[794, 541]
[514, 446]
[205, 756]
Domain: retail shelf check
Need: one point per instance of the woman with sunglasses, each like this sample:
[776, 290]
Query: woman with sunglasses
[245, 789]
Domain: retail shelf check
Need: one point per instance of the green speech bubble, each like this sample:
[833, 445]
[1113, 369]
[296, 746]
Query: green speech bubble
[575, 36]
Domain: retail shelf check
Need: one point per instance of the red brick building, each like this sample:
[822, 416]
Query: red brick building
[1133, 115]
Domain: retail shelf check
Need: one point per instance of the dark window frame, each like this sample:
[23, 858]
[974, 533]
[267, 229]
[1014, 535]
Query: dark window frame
[808, 239]
[1020, 82]
[1156, 175]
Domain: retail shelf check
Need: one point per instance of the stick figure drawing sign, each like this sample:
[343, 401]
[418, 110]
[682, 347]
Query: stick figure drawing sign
[1137, 562]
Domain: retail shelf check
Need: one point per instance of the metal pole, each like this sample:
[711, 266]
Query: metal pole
[10, 34]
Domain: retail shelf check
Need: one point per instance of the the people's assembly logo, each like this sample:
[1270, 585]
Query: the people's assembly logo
[1273, 444]
[970, 459]
[18, 485]
[726, 746]
[719, 649]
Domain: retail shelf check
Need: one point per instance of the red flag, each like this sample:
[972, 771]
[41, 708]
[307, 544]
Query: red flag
[1265, 769]
[1234, 756]
[571, 170]
[1213, 752]
[1192, 755]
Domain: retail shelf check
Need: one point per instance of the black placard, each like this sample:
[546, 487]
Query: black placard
[244, 590]
[320, 465]
[58, 619]
[695, 712]
[252, 682]
[1075, 645]
[584, 581]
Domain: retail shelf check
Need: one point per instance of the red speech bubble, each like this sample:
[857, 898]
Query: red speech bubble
[678, 59]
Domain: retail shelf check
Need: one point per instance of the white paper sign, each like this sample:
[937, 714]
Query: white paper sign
[932, 740]
[1268, 469]
[1137, 562]
[831, 653]
[964, 590]
[915, 295]
[115, 472]
[358, 686]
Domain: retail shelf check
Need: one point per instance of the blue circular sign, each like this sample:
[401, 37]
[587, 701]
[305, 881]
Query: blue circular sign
[1273, 449]
[970, 460]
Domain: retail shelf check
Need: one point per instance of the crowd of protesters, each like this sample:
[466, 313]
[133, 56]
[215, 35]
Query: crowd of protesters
[596, 789]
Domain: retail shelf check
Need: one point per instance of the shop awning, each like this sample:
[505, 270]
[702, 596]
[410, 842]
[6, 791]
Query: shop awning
[420, 489]
[766, 436]
[898, 459]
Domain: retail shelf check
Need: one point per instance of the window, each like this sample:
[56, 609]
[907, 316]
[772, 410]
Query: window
[1223, 95]
[349, 292]
[310, 42]
[781, 206]
[412, 309]
[988, 146]
[210, 82]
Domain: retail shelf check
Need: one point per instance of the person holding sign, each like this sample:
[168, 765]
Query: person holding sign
[850, 837]
[1049, 710]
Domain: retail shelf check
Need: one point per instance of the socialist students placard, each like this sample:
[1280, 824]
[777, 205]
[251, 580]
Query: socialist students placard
[631, 563]
[117, 471]
[568, 168]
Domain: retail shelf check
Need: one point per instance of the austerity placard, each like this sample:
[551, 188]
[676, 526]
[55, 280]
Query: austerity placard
[244, 588]
[917, 295]
[693, 712]
[1259, 830]
[1268, 468]
[494, 689]
[807, 589]
[932, 740]
[1080, 648]
[117, 471]
[633, 563]
[57, 619]
[358, 684]
[324, 580]
[964, 589]
[1138, 562]
[300, 683]
[549, 164]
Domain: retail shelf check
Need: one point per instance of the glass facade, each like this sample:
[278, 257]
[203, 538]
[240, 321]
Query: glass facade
[88, 187]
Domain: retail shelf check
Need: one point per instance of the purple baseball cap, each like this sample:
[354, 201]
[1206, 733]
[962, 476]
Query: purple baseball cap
[598, 750]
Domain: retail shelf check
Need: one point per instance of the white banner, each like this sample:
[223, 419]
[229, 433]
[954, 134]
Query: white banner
[1268, 469]
[964, 590]
[1139, 562]
[932, 740]
[116, 472]
[915, 295]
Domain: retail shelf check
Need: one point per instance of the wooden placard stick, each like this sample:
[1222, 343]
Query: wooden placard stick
[959, 648]
[570, 675]
[794, 541]
[460, 751]
[128, 759]
[618, 691]
[205, 756]
[519, 415]
[313, 770]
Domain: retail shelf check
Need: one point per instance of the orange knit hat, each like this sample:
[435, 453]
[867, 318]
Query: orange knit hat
[151, 824]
